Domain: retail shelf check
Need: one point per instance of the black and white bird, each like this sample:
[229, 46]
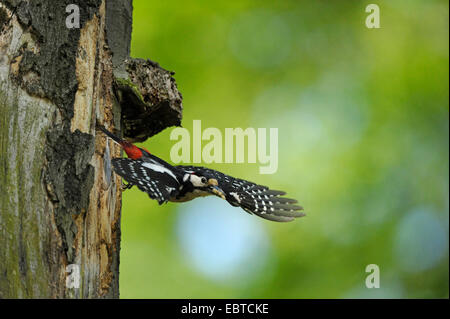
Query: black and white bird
[164, 182]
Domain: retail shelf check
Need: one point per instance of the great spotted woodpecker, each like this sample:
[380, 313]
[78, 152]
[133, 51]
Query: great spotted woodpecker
[164, 182]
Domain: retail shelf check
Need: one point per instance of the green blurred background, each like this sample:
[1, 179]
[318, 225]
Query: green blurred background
[363, 132]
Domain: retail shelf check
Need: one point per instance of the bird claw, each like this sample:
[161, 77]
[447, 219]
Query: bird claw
[126, 186]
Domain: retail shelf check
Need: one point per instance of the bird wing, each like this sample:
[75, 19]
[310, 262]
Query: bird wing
[253, 198]
[154, 179]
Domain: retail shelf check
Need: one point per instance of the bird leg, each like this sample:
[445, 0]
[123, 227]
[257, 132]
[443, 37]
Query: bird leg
[126, 186]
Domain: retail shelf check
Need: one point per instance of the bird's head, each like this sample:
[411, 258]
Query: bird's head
[205, 183]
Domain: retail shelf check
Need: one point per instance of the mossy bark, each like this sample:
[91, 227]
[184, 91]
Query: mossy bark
[59, 200]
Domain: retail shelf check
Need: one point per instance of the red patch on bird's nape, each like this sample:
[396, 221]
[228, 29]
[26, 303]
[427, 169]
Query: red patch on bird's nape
[132, 151]
[146, 150]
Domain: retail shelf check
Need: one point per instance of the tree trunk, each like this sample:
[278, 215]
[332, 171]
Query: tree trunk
[59, 200]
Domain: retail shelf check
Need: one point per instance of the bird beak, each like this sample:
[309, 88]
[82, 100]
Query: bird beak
[215, 189]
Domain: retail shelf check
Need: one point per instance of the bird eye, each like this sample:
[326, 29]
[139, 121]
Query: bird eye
[203, 180]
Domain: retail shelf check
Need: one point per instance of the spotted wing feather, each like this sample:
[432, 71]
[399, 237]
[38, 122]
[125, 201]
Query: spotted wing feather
[157, 184]
[253, 198]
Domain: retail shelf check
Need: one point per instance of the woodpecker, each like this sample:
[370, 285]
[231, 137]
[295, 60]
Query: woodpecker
[164, 182]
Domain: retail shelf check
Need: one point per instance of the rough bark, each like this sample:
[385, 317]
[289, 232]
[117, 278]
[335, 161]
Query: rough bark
[59, 201]
[149, 98]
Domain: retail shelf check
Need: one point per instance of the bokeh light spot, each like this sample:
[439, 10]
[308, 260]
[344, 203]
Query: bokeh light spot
[220, 242]
[421, 241]
[260, 39]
